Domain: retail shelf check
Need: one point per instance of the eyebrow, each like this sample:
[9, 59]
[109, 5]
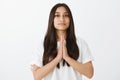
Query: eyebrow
[59, 12]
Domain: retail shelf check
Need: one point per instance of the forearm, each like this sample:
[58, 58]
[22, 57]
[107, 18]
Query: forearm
[85, 69]
[43, 71]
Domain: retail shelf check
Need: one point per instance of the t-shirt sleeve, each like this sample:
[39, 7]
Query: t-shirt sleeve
[85, 53]
[37, 55]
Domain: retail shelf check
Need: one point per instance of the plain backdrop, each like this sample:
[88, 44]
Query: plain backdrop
[24, 22]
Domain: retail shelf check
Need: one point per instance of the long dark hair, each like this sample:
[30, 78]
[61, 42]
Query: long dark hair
[50, 41]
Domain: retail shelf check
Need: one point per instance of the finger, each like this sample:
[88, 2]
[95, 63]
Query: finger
[60, 45]
[61, 40]
[64, 45]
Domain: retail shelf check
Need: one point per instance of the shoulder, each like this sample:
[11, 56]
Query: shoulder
[80, 41]
[82, 44]
[38, 47]
[85, 52]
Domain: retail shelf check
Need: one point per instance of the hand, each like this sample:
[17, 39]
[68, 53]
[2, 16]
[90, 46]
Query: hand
[60, 50]
[65, 53]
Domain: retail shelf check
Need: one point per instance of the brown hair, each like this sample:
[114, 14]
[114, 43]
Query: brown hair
[50, 41]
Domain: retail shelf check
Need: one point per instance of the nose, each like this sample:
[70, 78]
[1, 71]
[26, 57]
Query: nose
[61, 18]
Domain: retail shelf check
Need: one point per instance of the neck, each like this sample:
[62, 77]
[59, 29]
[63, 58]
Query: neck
[61, 33]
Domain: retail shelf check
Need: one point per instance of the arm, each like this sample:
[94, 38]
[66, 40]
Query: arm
[40, 72]
[85, 69]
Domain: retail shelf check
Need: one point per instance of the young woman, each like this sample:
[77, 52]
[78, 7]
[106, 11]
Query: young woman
[63, 56]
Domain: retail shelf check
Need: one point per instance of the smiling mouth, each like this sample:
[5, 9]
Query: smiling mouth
[61, 23]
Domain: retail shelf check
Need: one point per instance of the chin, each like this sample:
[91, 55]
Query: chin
[61, 29]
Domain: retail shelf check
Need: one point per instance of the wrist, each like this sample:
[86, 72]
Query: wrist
[66, 58]
[58, 59]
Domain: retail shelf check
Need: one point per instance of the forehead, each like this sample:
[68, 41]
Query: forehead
[61, 9]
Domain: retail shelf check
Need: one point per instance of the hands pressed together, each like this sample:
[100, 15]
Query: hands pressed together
[62, 50]
[85, 69]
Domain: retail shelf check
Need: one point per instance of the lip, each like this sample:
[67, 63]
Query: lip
[61, 23]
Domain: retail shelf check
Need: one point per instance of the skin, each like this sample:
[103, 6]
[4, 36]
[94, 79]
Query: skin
[61, 23]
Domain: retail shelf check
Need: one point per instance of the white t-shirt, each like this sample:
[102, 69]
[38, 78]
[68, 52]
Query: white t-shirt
[65, 72]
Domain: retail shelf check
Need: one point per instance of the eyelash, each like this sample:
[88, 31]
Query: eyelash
[64, 15]
[57, 15]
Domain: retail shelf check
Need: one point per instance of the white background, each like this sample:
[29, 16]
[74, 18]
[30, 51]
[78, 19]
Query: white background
[24, 22]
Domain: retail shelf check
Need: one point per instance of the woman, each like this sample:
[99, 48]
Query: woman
[63, 57]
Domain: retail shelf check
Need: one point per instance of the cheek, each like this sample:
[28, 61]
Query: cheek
[54, 22]
[68, 22]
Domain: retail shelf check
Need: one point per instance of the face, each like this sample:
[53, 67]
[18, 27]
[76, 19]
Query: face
[61, 19]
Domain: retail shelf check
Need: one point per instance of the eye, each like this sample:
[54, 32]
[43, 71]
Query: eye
[66, 15]
[57, 15]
